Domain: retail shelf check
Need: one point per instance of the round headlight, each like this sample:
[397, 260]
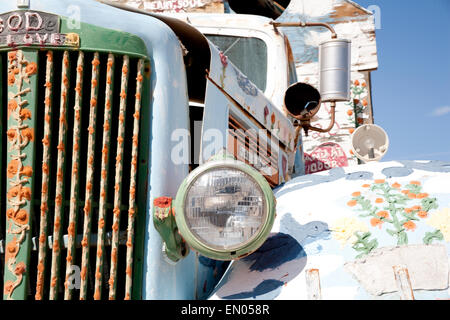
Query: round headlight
[225, 209]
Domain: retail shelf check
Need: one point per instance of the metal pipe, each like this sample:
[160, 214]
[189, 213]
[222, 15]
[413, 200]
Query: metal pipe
[332, 121]
[306, 24]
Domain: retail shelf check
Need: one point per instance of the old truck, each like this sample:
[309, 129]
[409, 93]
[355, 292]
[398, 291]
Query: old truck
[140, 153]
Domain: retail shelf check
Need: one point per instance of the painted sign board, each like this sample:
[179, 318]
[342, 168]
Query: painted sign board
[175, 6]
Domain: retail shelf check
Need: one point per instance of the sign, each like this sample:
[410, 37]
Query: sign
[325, 157]
[174, 6]
[26, 28]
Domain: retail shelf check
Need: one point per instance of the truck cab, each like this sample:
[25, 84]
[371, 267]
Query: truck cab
[112, 114]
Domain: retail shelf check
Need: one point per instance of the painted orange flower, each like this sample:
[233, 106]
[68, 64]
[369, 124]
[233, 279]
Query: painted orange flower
[12, 168]
[356, 83]
[351, 130]
[366, 185]
[272, 118]
[416, 208]
[360, 120]
[25, 114]
[412, 195]
[12, 106]
[364, 84]
[396, 185]
[422, 195]
[417, 183]
[376, 222]
[405, 191]
[11, 79]
[379, 200]
[28, 133]
[380, 181]
[356, 194]
[410, 226]
[422, 214]
[21, 217]
[31, 68]
[12, 55]
[408, 210]
[383, 214]
[8, 287]
[350, 112]
[352, 203]
[365, 103]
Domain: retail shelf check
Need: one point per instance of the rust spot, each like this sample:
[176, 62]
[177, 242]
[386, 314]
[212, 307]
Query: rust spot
[108, 104]
[94, 83]
[140, 78]
[58, 200]
[96, 62]
[47, 118]
[57, 223]
[131, 212]
[121, 118]
[45, 168]
[66, 81]
[71, 229]
[104, 174]
[117, 187]
[56, 246]
[115, 227]
[120, 140]
[84, 242]
[99, 252]
[93, 102]
[89, 186]
[101, 223]
[135, 140]
[129, 271]
[80, 69]
[44, 208]
[91, 130]
[125, 70]
[162, 202]
[87, 207]
[42, 238]
[108, 80]
[116, 212]
[97, 294]
[98, 274]
[83, 273]
[129, 243]
[61, 146]
[114, 258]
[69, 258]
[47, 101]
[123, 95]
[127, 297]
[48, 85]
[133, 193]
[21, 217]
[60, 175]
[54, 280]
[136, 115]
[50, 56]
[106, 126]
[138, 96]
[46, 141]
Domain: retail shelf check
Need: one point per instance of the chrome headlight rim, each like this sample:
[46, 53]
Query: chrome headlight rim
[202, 247]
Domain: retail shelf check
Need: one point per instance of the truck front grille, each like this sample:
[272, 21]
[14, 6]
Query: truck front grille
[69, 170]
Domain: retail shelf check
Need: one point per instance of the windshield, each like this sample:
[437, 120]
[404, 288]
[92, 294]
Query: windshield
[249, 55]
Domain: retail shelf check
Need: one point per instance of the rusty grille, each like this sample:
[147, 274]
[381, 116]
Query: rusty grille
[84, 197]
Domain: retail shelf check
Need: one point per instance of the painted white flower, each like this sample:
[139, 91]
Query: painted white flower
[441, 221]
[344, 230]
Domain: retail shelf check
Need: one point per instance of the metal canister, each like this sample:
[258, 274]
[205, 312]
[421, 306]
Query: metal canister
[335, 64]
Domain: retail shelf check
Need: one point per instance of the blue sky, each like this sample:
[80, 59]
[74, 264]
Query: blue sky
[411, 88]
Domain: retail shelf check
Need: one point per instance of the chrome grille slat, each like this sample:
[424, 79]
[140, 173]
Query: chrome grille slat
[104, 176]
[118, 178]
[134, 165]
[89, 175]
[74, 188]
[59, 196]
[45, 176]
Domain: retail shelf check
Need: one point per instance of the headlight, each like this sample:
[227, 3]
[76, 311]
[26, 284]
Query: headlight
[225, 209]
